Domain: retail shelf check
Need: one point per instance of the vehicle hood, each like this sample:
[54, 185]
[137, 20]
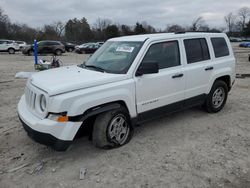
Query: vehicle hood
[65, 79]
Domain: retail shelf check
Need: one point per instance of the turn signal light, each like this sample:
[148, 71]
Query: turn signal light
[63, 119]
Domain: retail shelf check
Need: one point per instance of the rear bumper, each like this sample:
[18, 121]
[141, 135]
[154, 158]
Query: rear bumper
[46, 139]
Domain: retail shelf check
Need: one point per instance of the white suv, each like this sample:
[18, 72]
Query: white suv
[127, 81]
[8, 46]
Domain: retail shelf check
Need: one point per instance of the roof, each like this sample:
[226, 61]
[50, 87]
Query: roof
[159, 36]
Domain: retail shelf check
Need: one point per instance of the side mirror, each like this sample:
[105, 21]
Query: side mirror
[147, 67]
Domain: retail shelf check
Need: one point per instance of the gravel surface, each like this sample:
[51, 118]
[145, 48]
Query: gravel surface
[187, 149]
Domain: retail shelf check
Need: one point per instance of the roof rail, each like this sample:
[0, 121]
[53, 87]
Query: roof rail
[183, 32]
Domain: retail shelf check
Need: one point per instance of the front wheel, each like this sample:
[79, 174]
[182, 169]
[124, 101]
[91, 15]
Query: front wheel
[112, 129]
[217, 97]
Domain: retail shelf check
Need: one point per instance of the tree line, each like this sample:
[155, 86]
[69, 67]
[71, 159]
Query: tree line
[79, 30]
[238, 23]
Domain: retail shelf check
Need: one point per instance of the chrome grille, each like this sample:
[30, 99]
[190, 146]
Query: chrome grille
[30, 97]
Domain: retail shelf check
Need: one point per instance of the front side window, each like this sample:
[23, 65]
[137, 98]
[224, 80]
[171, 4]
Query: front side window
[196, 50]
[114, 56]
[220, 47]
[166, 54]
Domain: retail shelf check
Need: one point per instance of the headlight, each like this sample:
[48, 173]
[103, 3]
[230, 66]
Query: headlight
[43, 103]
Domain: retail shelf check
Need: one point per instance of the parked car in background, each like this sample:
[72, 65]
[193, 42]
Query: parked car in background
[235, 39]
[246, 39]
[69, 47]
[245, 44]
[83, 45]
[8, 46]
[87, 48]
[101, 43]
[21, 44]
[46, 47]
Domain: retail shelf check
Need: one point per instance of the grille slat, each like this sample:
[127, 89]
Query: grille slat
[30, 97]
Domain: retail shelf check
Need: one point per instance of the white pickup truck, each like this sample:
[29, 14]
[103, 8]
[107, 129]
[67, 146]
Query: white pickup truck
[127, 81]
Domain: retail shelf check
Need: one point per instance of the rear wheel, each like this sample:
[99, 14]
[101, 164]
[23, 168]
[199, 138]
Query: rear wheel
[58, 52]
[112, 129]
[217, 97]
[11, 50]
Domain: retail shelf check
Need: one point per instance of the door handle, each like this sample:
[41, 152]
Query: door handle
[209, 68]
[177, 75]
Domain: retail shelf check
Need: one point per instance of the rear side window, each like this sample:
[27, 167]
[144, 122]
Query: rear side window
[196, 50]
[165, 53]
[220, 47]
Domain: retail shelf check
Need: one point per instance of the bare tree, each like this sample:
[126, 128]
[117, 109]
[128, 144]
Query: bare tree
[243, 13]
[99, 28]
[59, 28]
[174, 28]
[198, 23]
[4, 23]
[102, 24]
[230, 20]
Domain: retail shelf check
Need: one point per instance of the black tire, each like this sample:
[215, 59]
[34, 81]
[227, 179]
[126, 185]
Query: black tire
[58, 52]
[11, 51]
[30, 52]
[212, 103]
[70, 50]
[101, 137]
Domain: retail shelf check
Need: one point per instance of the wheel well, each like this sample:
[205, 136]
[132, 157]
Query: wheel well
[11, 48]
[86, 127]
[227, 80]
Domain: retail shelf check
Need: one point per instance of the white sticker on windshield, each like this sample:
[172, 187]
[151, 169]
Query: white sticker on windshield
[125, 49]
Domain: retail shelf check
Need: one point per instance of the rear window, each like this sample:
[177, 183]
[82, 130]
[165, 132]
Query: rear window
[220, 47]
[196, 50]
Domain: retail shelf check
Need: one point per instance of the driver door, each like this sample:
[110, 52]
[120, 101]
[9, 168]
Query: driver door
[164, 91]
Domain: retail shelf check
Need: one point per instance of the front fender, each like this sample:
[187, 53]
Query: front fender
[77, 102]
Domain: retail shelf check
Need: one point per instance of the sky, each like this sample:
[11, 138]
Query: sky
[158, 13]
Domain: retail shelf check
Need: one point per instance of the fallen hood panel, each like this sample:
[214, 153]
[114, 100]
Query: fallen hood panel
[65, 79]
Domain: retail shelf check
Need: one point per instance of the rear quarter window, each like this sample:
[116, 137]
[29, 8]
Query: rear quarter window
[220, 47]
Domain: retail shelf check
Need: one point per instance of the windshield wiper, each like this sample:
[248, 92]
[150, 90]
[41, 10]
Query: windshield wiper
[94, 67]
[83, 65]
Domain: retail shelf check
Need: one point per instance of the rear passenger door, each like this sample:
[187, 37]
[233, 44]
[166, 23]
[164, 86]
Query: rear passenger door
[199, 67]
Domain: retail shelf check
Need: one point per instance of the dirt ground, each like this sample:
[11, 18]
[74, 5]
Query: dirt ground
[187, 149]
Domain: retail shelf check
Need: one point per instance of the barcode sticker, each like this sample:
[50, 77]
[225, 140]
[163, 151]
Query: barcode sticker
[128, 49]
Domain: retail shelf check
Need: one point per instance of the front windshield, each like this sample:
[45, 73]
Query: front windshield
[114, 56]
